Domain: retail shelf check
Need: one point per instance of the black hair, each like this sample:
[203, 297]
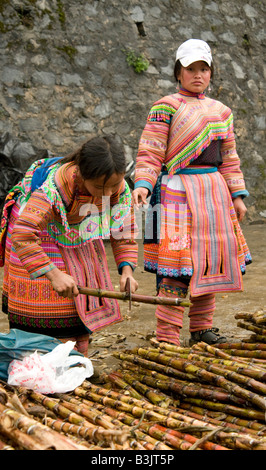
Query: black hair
[178, 66]
[99, 156]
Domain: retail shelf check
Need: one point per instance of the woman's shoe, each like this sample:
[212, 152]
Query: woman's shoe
[209, 336]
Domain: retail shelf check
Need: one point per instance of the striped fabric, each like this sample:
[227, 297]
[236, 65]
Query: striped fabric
[218, 249]
[201, 312]
[200, 237]
[170, 319]
[34, 245]
[179, 128]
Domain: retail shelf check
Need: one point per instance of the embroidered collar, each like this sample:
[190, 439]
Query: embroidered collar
[185, 92]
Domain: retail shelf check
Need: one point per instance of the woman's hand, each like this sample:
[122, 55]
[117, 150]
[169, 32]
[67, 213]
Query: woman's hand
[62, 283]
[139, 196]
[240, 208]
[128, 273]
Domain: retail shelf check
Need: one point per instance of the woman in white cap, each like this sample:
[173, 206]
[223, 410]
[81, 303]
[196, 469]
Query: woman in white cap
[187, 161]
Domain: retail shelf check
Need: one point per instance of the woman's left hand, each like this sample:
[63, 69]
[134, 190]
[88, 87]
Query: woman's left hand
[128, 273]
[240, 208]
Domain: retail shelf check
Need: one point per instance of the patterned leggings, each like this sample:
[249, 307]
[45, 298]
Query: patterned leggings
[170, 318]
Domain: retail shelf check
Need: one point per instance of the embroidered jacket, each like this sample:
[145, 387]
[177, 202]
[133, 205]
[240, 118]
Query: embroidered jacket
[179, 128]
[71, 219]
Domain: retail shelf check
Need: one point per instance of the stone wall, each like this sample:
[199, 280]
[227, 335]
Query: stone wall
[64, 71]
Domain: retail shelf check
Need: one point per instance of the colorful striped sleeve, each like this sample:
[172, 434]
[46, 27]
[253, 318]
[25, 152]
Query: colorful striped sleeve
[230, 168]
[32, 221]
[124, 245]
[153, 145]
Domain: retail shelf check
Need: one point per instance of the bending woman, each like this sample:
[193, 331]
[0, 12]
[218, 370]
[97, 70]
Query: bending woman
[53, 225]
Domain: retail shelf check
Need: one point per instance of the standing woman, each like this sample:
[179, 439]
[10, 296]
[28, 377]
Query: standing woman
[187, 161]
[53, 226]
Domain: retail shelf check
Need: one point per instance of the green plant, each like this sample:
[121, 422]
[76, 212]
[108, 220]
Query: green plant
[138, 62]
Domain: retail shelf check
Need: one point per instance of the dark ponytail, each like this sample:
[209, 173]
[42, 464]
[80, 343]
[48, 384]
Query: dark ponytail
[99, 156]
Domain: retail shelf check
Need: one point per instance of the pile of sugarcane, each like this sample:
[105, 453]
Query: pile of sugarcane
[254, 322]
[30, 420]
[160, 397]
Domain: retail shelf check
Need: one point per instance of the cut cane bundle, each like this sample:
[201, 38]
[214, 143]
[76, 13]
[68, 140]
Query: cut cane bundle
[161, 397]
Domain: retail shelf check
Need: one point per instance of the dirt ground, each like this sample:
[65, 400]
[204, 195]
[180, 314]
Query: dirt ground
[139, 324]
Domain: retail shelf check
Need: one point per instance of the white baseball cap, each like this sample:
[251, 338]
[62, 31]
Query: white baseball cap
[194, 50]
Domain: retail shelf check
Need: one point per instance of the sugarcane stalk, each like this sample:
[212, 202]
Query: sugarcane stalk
[154, 414]
[228, 426]
[258, 338]
[242, 425]
[17, 437]
[125, 296]
[121, 418]
[54, 405]
[3, 396]
[257, 317]
[110, 414]
[44, 438]
[95, 434]
[234, 441]
[146, 427]
[148, 364]
[174, 438]
[207, 376]
[184, 388]
[250, 414]
[4, 446]
[245, 369]
[256, 329]
[242, 345]
[119, 382]
[169, 347]
[152, 382]
[187, 420]
[144, 404]
[224, 354]
[172, 418]
[151, 395]
[180, 388]
[233, 376]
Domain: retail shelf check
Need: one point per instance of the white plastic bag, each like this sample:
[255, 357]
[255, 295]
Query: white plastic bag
[54, 372]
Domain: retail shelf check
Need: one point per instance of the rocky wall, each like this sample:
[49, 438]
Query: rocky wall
[69, 69]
